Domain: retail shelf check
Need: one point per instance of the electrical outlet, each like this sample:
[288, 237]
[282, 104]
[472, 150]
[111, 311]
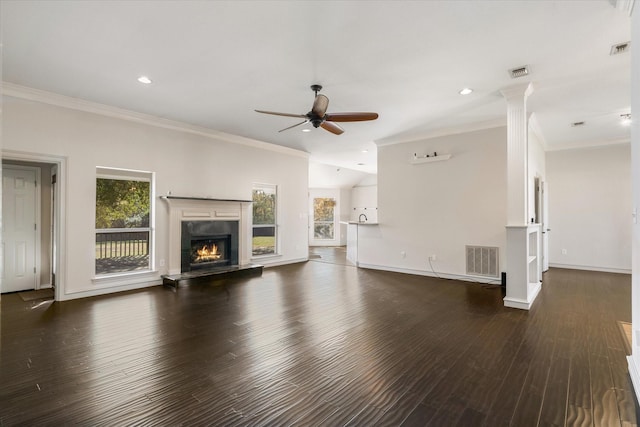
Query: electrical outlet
[403, 254]
[432, 257]
[161, 263]
[564, 252]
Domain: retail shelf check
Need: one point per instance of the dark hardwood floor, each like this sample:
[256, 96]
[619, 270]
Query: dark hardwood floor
[322, 344]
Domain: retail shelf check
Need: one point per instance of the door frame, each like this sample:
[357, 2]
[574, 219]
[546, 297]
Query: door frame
[59, 209]
[37, 206]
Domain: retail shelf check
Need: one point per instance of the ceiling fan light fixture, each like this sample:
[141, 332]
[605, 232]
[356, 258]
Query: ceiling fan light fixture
[465, 91]
[144, 80]
[306, 130]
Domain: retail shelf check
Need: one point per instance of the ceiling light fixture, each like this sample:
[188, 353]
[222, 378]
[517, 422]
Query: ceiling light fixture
[626, 119]
[465, 91]
[365, 151]
[144, 79]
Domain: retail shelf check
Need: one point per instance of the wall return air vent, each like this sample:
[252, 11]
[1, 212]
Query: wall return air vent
[482, 261]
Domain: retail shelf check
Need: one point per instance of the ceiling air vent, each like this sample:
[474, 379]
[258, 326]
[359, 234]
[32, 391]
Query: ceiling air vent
[576, 124]
[620, 48]
[519, 72]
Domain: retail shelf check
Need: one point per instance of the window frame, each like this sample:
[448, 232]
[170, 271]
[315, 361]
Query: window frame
[103, 172]
[276, 250]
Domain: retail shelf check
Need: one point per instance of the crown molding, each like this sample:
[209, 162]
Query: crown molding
[50, 98]
[442, 132]
[625, 6]
[588, 144]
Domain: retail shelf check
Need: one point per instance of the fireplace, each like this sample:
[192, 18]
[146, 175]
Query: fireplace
[208, 244]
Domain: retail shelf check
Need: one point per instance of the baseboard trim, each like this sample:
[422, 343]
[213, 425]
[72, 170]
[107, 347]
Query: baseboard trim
[285, 262]
[520, 303]
[591, 268]
[464, 278]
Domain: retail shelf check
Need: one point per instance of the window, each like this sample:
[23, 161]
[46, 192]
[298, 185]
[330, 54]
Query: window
[324, 218]
[124, 216]
[264, 240]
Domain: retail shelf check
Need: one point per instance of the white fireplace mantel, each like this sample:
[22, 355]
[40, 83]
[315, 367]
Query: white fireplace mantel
[204, 209]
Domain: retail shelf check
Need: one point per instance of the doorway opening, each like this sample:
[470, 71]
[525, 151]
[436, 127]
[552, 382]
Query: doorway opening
[32, 230]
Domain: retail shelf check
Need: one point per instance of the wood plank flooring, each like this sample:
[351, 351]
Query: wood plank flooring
[322, 344]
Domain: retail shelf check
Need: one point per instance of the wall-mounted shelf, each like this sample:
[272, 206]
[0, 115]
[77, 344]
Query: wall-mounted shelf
[438, 158]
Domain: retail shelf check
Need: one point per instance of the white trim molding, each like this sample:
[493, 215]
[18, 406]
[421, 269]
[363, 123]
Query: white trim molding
[31, 94]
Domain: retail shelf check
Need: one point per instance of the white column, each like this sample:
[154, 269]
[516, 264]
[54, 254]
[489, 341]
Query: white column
[523, 238]
[517, 153]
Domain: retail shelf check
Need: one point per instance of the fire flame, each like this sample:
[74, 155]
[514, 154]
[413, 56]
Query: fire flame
[208, 253]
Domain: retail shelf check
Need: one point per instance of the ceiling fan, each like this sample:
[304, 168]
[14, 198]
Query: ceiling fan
[319, 117]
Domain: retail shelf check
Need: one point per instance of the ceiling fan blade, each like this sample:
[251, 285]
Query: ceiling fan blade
[351, 117]
[320, 105]
[332, 127]
[301, 123]
[301, 116]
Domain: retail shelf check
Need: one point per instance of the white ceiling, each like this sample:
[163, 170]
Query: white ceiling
[213, 63]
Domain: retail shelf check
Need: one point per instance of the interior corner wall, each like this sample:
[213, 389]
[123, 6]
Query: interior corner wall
[589, 208]
[185, 163]
[438, 208]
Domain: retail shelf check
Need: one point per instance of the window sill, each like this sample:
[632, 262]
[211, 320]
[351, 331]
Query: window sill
[265, 257]
[118, 277]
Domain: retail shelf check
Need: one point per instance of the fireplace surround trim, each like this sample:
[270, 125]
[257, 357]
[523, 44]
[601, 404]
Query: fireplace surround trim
[205, 209]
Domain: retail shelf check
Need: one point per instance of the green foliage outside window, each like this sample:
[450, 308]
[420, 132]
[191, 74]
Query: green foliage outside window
[264, 207]
[122, 203]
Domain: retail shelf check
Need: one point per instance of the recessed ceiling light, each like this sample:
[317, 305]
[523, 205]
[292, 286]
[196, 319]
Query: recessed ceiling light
[360, 164]
[306, 130]
[365, 151]
[626, 119]
[465, 91]
[144, 79]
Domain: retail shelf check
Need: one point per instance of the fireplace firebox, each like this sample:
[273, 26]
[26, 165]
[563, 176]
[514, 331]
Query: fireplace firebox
[208, 244]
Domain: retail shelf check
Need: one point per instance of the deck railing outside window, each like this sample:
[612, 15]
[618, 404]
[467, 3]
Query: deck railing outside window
[121, 249]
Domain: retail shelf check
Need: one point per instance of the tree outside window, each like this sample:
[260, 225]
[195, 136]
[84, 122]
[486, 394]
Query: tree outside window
[264, 241]
[123, 217]
[324, 218]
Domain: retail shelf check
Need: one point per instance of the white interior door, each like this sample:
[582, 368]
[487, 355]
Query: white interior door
[545, 227]
[19, 232]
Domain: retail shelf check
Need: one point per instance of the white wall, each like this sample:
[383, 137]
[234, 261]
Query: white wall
[438, 208]
[186, 163]
[589, 208]
[634, 359]
[536, 169]
[329, 176]
[364, 200]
